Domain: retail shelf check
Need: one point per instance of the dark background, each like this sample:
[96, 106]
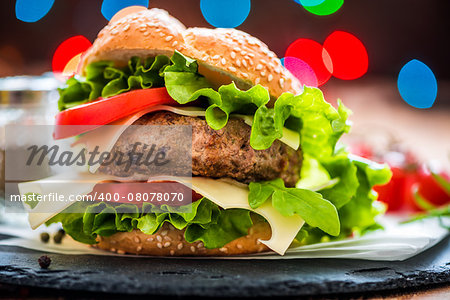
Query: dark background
[393, 31]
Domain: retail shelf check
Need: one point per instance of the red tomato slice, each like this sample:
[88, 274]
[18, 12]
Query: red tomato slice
[103, 111]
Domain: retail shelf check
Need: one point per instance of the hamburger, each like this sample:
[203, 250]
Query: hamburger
[266, 171]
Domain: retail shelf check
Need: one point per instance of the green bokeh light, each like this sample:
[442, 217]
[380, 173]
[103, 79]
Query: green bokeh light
[325, 8]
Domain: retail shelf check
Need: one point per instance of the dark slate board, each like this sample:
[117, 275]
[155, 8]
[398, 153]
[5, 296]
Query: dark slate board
[205, 277]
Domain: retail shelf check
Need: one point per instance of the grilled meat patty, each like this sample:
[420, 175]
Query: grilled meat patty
[224, 153]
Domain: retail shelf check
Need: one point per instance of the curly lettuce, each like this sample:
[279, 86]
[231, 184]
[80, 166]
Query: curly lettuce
[204, 221]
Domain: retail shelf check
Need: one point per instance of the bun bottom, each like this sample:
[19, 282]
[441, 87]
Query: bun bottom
[169, 241]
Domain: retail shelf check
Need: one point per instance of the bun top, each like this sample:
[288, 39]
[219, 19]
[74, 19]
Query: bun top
[224, 55]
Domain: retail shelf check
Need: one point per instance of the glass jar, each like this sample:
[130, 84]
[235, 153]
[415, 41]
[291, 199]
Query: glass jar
[25, 100]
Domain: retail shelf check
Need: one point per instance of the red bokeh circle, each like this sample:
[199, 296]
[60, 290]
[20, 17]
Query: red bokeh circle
[348, 54]
[312, 53]
[67, 50]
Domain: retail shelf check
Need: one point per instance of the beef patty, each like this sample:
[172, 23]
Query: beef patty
[224, 153]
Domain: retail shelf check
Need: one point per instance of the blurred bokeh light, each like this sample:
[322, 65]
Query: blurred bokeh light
[348, 55]
[66, 54]
[111, 7]
[310, 52]
[32, 10]
[225, 14]
[417, 84]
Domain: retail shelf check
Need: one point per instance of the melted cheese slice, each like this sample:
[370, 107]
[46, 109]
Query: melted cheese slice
[223, 193]
[106, 136]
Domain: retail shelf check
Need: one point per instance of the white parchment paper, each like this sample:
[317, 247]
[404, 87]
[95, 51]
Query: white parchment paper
[396, 242]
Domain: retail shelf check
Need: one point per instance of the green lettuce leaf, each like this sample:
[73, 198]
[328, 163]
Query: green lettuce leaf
[105, 80]
[231, 224]
[311, 206]
[210, 224]
[352, 195]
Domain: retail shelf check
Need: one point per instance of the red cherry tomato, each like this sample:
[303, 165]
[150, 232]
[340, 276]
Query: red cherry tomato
[397, 191]
[429, 189]
[362, 150]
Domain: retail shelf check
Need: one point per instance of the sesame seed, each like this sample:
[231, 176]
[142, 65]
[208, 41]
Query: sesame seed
[171, 227]
[173, 45]
[223, 61]
[251, 62]
[216, 57]
[150, 239]
[142, 28]
[146, 33]
[258, 242]
[223, 249]
[233, 55]
[172, 252]
[158, 238]
[192, 249]
[137, 239]
[238, 62]
[164, 232]
[120, 252]
[272, 65]
[251, 55]
[260, 249]
[112, 249]
[157, 29]
[168, 238]
[126, 27]
[200, 245]
[247, 57]
[138, 248]
[159, 245]
[243, 52]
[263, 61]
[270, 77]
[281, 82]
[245, 75]
[180, 246]
[180, 237]
[232, 69]
[162, 34]
[259, 67]
[263, 73]
[247, 236]
[167, 244]
[114, 32]
[239, 246]
[244, 62]
[237, 49]
[169, 38]
[257, 80]
[278, 70]
[134, 17]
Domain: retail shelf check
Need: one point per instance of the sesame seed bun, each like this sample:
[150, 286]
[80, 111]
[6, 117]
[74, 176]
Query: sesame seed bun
[224, 55]
[169, 241]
